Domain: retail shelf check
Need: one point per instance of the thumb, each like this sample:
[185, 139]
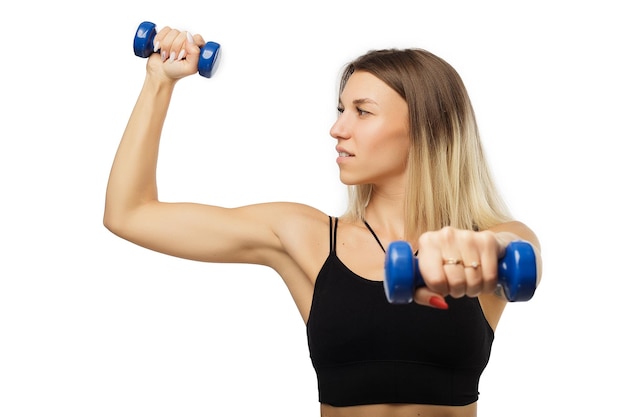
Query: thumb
[427, 297]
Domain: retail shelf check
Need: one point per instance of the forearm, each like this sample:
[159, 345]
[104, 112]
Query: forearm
[132, 180]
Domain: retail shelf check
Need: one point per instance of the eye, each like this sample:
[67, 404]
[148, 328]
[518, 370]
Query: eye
[340, 109]
[362, 112]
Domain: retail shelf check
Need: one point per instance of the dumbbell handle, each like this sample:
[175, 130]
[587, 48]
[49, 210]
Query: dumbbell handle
[143, 46]
[517, 272]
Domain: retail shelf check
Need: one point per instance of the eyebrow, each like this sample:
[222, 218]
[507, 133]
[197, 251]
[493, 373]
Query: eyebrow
[359, 101]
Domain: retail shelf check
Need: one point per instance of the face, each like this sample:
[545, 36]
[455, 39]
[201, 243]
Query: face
[372, 132]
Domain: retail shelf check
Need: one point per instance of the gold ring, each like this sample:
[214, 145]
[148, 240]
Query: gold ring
[452, 261]
[474, 265]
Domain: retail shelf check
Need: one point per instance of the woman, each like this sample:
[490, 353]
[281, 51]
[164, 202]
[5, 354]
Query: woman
[409, 150]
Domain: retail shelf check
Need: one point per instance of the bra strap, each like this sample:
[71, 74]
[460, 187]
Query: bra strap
[376, 237]
[333, 233]
[374, 234]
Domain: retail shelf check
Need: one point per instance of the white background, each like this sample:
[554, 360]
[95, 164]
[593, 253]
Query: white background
[91, 325]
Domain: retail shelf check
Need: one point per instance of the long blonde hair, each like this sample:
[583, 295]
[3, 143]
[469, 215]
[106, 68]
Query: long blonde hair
[449, 180]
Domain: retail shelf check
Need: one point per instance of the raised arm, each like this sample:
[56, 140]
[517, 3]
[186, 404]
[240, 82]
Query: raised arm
[133, 210]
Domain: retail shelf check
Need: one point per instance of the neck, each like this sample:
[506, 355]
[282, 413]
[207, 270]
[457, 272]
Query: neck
[385, 213]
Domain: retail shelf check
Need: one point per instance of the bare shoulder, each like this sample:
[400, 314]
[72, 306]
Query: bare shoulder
[275, 230]
[288, 218]
[303, 233]
[519, 229]
[302, 230]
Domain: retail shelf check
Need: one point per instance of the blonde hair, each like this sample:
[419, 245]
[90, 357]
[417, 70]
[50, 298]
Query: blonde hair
[449, 181]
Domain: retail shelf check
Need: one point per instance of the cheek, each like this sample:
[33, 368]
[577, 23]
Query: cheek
[394, 143]
[397, 151]
[389, 155]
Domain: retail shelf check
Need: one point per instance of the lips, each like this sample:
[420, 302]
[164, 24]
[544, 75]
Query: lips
[343, 153]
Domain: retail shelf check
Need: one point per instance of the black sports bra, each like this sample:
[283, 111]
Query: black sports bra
[367, 351]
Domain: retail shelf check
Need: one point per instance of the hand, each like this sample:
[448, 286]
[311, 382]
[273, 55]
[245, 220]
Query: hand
[179, 53]
[459, 263]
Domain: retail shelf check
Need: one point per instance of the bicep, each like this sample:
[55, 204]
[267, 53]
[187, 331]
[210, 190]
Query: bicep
[203, 232]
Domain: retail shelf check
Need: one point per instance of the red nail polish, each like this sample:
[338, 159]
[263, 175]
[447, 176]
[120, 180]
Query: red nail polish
[438, 302]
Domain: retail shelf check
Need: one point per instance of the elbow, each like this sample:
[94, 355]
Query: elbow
[113, 222]
[109, 222]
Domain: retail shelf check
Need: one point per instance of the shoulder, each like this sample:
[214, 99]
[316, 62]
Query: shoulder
[519, 230]
[294, 228]
[298, 225]
[303, 233]
[280, 216]
[293, 215]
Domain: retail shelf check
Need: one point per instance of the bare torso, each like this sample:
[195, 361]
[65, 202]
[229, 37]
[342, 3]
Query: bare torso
[399, 410]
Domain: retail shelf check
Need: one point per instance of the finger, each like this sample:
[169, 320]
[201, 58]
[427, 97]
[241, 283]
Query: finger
[158, 39]
[427, 297]
[177, 50]
[187, 46]
[170, 44]
[198, 40]
[488, 246]
[455, 275]
[489, 270]
[473, 277]
[443, 268]
[430, 264]
[431, 270]
[472, 269]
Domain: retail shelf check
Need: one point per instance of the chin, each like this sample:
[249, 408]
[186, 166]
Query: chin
[347, 180]
[351, 181]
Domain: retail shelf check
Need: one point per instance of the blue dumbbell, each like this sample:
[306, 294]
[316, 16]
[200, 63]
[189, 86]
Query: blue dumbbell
[517, 272]
[143, 46]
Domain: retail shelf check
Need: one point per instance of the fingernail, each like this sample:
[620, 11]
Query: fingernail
[173, 57]
[163, 56]
[182, 54]
[156, 46]
[438, 302]
[189, 37]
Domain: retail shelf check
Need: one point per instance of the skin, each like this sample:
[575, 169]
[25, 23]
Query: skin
[291, 238]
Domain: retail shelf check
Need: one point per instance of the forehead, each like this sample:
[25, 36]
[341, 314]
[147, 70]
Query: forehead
[364, 86]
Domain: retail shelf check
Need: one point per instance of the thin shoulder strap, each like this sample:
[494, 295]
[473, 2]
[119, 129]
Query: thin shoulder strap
[374, 234]
[333, 233]
[377, 239]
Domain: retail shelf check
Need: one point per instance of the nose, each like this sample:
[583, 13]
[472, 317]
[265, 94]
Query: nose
[339, 130]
